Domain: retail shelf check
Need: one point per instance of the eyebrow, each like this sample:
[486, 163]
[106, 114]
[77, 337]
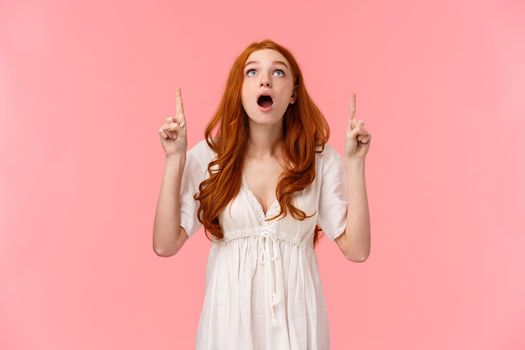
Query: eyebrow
[274, 62]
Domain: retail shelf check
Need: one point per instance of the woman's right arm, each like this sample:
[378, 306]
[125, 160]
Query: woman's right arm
[168, 235]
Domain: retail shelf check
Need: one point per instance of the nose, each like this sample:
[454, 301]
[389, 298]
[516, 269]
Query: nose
[265, 81]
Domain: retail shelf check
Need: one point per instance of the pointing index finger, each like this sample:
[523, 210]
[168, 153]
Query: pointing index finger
[180, 108]
[352, 106]
[351, 110]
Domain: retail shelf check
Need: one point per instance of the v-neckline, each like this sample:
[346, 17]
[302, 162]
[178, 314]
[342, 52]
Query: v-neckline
[255, 200]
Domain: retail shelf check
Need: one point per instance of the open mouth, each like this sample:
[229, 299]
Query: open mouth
[265, 101]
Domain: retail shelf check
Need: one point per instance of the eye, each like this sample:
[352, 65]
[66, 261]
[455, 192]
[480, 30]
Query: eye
[277, 70]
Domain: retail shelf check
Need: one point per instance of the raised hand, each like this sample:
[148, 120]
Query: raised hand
[357, 137]
[173, 133]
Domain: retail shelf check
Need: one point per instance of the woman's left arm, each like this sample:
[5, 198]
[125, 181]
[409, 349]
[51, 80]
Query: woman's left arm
[355, 241]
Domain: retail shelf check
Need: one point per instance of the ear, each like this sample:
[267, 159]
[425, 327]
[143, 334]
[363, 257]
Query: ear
[293, 97]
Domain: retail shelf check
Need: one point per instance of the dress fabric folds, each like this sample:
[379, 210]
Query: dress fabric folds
[263, 288]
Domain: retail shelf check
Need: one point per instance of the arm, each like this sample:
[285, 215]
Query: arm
[168, 235]
[355, 241]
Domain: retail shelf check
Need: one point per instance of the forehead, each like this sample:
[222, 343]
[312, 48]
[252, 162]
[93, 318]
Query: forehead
[268, 55]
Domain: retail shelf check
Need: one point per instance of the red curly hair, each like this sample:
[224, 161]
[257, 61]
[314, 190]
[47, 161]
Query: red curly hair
[304, 129]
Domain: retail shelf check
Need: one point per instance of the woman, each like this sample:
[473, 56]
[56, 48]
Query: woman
[263, 188]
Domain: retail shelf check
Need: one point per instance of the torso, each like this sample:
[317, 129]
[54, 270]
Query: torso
[263, 177]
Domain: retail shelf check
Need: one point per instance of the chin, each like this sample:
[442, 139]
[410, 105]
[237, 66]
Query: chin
[264, 121]
[264, 118]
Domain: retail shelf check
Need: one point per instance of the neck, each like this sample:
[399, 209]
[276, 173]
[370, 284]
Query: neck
[264, 140]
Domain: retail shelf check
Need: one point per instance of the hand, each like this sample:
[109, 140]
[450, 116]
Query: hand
[174, 132]
[357, 137]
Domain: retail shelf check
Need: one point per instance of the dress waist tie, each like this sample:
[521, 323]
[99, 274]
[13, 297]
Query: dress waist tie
[266, 257]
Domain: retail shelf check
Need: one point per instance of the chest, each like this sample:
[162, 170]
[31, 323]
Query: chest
[262, 177]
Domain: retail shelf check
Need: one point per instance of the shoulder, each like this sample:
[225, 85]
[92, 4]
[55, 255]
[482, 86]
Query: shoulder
[202, 152]
[329, 161]
[329, 153]
[201, 147]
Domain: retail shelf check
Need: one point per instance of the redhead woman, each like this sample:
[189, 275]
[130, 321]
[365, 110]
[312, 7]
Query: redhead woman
[264, 186]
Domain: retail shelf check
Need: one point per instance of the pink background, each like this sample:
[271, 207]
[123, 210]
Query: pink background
[84, 88]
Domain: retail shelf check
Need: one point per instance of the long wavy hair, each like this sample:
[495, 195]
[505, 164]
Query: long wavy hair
[304, 129]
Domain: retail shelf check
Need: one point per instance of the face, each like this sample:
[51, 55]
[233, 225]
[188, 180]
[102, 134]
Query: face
[263, 73]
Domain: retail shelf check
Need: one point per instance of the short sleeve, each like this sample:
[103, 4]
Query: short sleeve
[333, 201]
[194, 173]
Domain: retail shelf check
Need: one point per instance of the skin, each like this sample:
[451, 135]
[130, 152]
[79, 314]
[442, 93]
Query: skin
[355, 241]
[168, 235]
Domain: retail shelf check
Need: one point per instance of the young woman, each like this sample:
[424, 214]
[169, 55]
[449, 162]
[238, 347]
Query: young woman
[264, 187]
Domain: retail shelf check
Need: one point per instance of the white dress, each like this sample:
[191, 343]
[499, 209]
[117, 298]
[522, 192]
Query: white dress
[263, 289]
